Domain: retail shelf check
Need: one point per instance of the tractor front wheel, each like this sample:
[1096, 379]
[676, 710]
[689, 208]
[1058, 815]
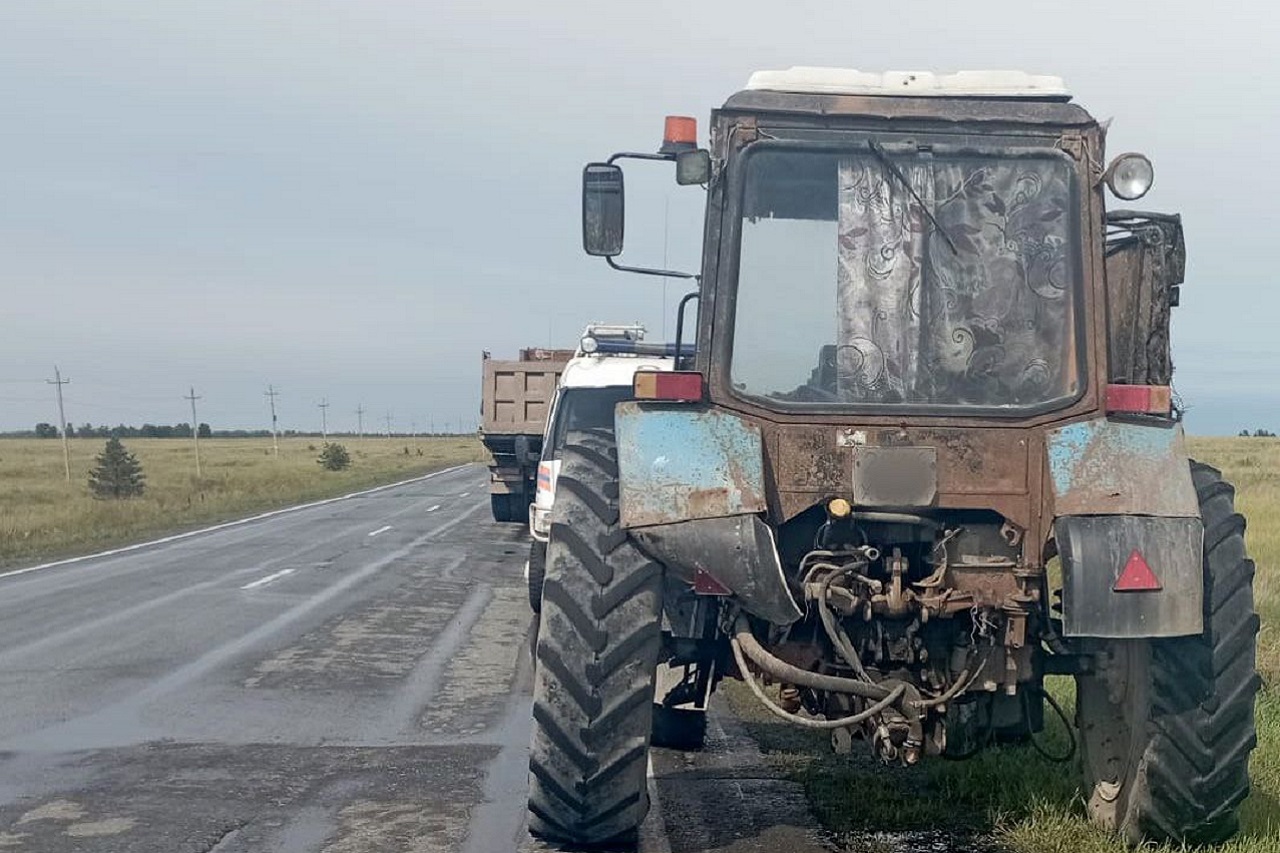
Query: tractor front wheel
[1167, 725]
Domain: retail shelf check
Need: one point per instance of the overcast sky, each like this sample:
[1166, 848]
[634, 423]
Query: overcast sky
[351, 200]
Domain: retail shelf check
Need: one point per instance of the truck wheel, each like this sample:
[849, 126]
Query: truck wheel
[501, 507]
[597, 654]
[511, 507]
[1167, 725]
[537, 573]
[679, 728]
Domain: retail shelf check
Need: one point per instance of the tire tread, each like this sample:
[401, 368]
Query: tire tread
[598, 646]
[1195, 768]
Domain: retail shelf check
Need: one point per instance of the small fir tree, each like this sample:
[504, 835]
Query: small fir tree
[334, 457]
[118, 473]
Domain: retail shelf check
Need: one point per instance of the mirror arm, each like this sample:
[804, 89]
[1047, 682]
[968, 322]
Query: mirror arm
[630, 155]
[648, 271]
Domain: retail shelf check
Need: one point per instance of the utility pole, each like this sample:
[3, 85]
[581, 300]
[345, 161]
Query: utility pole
[271, 394]
[324, 418]
[433, 424]
[388, 420]
[195, 428]
[360, 421]
[413, 432]
[62, 420]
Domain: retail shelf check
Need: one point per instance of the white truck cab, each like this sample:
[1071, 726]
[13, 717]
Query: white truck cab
[599, 375]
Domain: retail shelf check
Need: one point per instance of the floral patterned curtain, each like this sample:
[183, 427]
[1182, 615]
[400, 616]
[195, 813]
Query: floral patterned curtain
[980, 316]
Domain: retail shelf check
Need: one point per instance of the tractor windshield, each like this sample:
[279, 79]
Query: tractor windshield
[885, 276]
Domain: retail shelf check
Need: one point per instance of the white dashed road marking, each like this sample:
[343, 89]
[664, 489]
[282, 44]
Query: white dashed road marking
[268, 579]
[382, 529]
[433, 508]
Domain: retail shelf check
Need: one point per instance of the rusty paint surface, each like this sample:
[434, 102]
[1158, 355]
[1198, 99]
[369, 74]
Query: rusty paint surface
[681, 462]
[976, 468]
[1107, 467]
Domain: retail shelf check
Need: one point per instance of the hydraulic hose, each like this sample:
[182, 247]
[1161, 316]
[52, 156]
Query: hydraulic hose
[780, 670]
[839, 723]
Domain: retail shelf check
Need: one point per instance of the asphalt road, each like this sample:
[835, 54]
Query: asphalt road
[352, 676]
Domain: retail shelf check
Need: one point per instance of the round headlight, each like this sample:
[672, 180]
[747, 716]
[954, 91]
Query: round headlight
[1130, 176]
[589, 345]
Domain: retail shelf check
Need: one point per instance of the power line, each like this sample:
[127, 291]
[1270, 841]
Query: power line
[323, 405]
[62, 418]
[272, 393]
[195, 428]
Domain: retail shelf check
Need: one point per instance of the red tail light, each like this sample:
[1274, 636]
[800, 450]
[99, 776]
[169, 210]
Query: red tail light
[1136, 576]
[1140, 399]
[685, 386]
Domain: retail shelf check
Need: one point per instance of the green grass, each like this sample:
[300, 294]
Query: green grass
[1012, 795]
[43, 516]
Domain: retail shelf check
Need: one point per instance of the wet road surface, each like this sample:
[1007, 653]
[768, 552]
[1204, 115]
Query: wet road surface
[352, 676]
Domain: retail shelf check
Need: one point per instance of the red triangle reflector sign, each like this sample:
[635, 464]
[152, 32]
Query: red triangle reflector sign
[1136, 576]
[704, 583]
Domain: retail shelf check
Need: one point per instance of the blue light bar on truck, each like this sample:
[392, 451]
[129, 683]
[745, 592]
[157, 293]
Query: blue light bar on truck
[613, 347]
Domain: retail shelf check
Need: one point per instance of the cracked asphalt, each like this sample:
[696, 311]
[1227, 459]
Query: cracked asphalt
[352, 677]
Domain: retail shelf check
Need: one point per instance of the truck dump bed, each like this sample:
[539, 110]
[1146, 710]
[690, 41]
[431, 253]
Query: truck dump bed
[514, 400]
[516, 394]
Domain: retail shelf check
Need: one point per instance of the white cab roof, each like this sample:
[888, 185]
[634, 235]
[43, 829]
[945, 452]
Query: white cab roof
[604, 371]
[919, 84]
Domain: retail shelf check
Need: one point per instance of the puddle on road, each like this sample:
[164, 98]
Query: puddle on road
[477, 684]
[913, 842]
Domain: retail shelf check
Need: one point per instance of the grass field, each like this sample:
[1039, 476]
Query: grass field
[43, 516]
[1012, 795]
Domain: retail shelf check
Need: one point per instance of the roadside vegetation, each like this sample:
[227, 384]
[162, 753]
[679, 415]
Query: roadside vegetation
[1013, 796]
[42, 516]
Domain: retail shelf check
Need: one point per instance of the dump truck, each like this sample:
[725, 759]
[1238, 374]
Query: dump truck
[514, 399]
[924, 457]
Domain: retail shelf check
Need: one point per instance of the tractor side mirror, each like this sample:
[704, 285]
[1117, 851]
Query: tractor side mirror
[693, 167]
[602, 209]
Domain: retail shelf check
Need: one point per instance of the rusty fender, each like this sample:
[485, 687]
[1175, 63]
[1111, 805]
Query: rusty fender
[1124, 489]
[691, 493]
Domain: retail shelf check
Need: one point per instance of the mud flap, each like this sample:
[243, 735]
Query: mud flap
[738, 552]
[1096, 551]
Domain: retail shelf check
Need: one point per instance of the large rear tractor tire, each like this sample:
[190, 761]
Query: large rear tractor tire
[597, 653]
[1167, 725]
